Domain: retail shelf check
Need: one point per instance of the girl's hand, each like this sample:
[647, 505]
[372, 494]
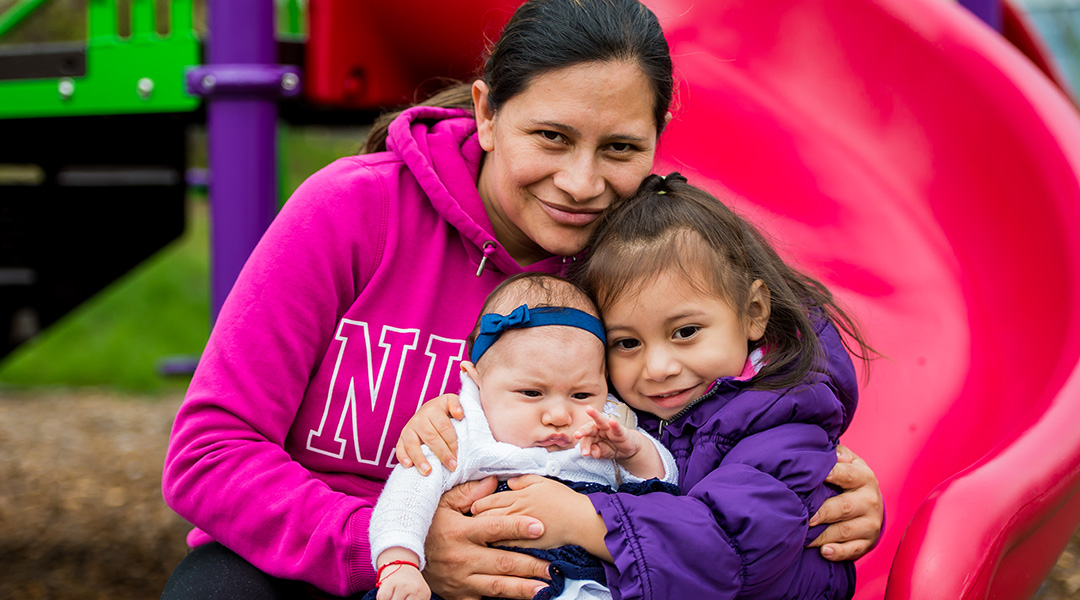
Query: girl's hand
[856, 515]
[431, 425]
[568, 517]
[461, 566]
[404, 584]
[606, 438]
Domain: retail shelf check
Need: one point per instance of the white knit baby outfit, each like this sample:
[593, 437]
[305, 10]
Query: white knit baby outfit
[407, 504]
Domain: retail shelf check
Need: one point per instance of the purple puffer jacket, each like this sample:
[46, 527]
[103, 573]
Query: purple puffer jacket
[752, 466]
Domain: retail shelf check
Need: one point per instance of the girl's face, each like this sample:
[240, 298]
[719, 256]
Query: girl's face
[669, 341]
[574, 142]
[534, 391]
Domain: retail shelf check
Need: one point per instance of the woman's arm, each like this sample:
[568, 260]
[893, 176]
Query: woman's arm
[857, 516]
[227, 471]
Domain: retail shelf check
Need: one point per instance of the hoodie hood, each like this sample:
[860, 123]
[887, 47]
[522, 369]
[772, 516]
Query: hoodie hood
[440, 148]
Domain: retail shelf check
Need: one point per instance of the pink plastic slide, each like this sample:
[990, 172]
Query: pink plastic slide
[925, 170]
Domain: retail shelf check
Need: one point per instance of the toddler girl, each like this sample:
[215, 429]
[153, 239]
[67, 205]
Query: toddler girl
[536, 384]
[733, 359]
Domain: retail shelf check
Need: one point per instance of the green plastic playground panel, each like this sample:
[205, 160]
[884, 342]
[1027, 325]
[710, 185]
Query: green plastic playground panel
[141, 73]
[18, 13]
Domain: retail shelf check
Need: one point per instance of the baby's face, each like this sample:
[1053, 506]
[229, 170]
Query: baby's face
[535, 390]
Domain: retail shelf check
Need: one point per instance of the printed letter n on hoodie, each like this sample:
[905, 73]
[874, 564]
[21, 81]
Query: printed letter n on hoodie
[365, 388]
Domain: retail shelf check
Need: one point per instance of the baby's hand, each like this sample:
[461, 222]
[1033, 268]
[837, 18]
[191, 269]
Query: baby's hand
[606, 438]
[431, 425]
[406, 583]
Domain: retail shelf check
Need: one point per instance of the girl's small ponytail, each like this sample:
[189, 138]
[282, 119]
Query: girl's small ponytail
[660, 184]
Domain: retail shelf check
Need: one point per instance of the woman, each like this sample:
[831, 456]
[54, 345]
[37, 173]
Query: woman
[354, 307]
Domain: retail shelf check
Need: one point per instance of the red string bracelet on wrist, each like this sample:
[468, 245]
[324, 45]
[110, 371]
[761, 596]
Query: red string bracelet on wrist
[378, 574]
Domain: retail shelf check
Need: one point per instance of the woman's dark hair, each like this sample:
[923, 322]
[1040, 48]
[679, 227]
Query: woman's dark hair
[670, 224]
[545, 35]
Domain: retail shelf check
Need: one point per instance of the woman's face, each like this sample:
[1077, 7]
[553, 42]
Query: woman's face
[575, 141]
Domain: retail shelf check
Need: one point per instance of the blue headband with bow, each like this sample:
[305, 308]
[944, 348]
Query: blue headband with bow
[492, 325]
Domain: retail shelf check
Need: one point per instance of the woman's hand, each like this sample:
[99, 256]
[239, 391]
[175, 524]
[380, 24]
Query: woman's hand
[856, 515]
[431, 425]
[461, 566]
[568, 517]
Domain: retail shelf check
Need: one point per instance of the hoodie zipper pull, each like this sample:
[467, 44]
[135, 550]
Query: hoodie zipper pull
[489, 247]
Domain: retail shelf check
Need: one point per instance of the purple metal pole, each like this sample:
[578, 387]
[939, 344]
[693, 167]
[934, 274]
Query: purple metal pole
[241, 138]
[987, 10]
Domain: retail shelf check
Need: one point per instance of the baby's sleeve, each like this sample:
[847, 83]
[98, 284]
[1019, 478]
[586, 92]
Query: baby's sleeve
[403, 514]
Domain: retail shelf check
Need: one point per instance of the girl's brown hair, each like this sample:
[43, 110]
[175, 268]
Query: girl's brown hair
[670, 224]
[546, 35]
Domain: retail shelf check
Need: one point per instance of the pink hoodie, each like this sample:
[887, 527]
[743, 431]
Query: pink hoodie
[351, 312]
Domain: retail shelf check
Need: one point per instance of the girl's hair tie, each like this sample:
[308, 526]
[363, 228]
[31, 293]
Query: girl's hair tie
[661, 184]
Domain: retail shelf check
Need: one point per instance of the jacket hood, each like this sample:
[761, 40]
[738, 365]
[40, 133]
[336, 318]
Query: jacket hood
[440, 148]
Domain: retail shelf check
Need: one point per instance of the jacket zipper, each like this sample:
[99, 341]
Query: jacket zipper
[675, 417]
[665, 422]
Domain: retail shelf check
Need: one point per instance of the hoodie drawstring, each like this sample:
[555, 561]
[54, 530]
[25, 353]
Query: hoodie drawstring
[489, 248]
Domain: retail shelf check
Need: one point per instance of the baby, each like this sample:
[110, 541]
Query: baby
[536, 384]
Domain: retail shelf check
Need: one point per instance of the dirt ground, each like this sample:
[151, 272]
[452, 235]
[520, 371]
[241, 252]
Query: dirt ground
[81, 514]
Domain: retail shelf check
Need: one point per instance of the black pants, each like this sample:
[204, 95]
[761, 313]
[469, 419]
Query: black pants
[213, 572]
